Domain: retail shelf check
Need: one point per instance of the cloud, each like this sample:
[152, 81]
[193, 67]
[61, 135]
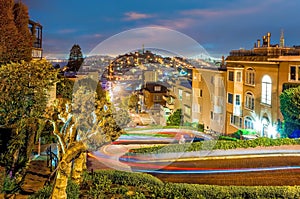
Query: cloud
[233, 9]
[66, 31]
[131, 16]
[179, 23]
[207, 13]
[89, 36]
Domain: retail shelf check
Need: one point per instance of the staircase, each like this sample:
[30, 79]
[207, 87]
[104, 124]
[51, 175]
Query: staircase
[36, 176]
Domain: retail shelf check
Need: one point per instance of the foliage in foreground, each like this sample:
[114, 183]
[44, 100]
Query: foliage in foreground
[290, 109]
[72, 191]
[119, 184]
[217, 144]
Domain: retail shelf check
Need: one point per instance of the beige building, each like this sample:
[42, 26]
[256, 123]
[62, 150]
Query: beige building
[255, 80]
[208, 99]
[183, 92]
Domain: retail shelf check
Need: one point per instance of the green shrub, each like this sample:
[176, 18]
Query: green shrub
[72, 190]
[119, 184]
[42, 193]
[216, 144]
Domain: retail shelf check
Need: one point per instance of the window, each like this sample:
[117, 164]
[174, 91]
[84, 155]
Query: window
[238, 76]
[295, 73]
[196, 92]
[157, 88]
[187, 110]
[249, 101]
[236, 121]
[250, 76]
[180, 94]
[230, 75]
[196, 108]
[157, 98]
[200, 92]
[211, 115]
[197, 76]
[248, 123]
[266, 90]
[229, 98]
[238, 100]
[187, 95]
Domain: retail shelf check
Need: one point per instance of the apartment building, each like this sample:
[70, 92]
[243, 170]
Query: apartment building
[255, 79]
[208, 99]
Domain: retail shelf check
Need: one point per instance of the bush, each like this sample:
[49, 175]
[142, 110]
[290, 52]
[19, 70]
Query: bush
[43, 193]
[139, 185]
[216, 144]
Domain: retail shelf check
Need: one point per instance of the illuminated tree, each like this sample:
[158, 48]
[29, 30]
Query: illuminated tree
[175, 119]
[290, 109]
[24, 87]
[84, 123]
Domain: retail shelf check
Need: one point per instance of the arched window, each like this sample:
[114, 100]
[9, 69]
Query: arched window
[250, 77]
[248, 123]
[249, 101]
[266, 90]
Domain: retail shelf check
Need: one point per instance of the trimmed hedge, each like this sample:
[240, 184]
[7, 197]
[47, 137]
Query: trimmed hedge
[118, 184]
[216, 144]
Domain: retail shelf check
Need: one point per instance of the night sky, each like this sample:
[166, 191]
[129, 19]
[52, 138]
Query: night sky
[218, 25]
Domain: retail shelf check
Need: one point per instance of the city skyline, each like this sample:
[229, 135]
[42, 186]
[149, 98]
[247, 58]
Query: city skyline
[219, 26]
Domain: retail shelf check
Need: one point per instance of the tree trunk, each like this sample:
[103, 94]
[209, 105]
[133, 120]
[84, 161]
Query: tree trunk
[61, 181]
[78, 168]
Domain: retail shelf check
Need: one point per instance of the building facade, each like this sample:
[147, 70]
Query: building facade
[209, 98]
[36, 31]
[255, 80]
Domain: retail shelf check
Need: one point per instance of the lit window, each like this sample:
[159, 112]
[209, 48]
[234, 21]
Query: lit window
[249, 101]
[230, 75]
[266, 90]
[230, 98]
[248, 124]
[238, 76]
[187, 95]
[295, 73]
[236, 121]
[238, 100]
[157, 88]
[250, 76]
[180, 94]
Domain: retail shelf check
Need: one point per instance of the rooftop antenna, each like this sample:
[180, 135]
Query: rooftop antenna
[282, 38]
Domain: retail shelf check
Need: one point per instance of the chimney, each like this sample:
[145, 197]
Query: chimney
[264, 39]
[268, 38]
[258, 43]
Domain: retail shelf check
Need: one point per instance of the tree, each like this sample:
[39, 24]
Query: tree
[84, 123]
[121, 116]
[75, 58]
[9, 36]
[290, 109]
[24, 88]
[15, 37]
[175, 119]
[21, 19]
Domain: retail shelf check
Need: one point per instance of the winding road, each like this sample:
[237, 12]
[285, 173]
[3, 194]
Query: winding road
[205, 165]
